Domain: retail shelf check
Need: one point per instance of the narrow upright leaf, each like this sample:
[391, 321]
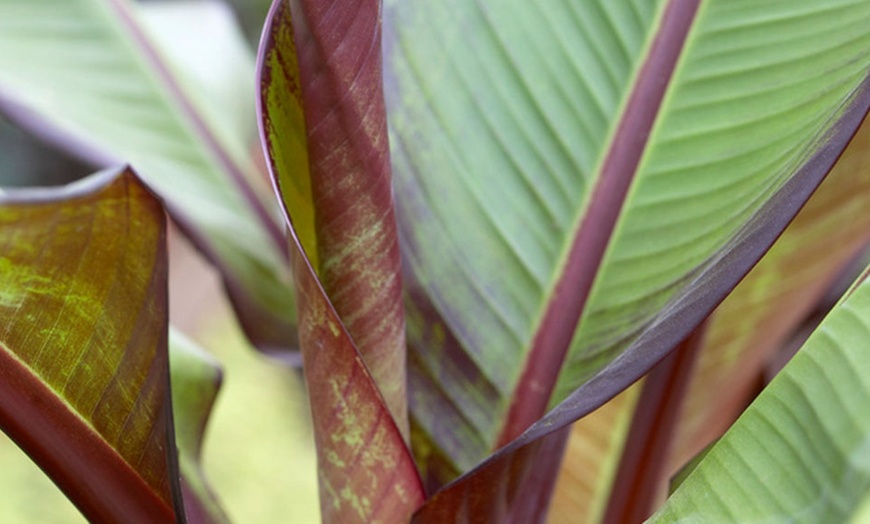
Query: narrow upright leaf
[84, 378]
[591, 461]
[338, 43]
[88, 75]
[643, 467]
[366, 471]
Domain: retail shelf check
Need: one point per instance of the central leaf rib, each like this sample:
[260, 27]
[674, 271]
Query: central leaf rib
[554, 333]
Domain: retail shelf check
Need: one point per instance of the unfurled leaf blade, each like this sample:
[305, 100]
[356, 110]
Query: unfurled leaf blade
[492, 168]
[196, 379]
[87, 75]
[572, 178]
[743, 332]
[800, 451]
[366, 472]
[84, 384]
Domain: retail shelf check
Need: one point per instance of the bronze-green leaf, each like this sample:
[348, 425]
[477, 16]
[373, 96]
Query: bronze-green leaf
[84, 376]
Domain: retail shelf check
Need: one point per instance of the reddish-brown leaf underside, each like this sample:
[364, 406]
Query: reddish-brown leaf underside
[84, 378]
[338, 45]
[366, 471]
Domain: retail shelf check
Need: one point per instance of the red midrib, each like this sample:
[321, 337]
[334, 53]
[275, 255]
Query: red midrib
[553, 337]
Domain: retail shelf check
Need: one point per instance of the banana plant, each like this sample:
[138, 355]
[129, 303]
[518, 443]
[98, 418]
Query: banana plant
[540, 254]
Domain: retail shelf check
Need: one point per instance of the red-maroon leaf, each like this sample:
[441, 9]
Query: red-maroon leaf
[366, 471]
[338, 44]
[84, 383]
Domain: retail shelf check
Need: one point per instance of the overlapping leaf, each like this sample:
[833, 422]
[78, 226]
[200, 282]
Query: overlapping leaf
[86, 74]
[338, 46]
[584, 181]
[84, 383]
[743, 331]
[801, 451]
[196, 379]
[322, 107]
[777, 294]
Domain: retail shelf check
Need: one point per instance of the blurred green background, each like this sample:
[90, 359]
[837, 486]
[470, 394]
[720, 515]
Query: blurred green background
[259, 451]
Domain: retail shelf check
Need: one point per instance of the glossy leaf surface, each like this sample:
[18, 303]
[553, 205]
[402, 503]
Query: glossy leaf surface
[87, 75]
[800, 451]
[366, 471]
[573, 178]
[84, 383]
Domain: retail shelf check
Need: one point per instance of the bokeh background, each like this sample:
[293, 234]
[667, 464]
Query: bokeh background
[259, 452]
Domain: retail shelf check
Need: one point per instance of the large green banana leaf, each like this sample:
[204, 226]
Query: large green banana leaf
[86, 393]
[90, 76]
[801, 451]
[580, 183]
[742, 335]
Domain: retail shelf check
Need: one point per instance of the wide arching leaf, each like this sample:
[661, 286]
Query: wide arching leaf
[84, 379]
[219, 59]
[742, 333]
[87, 75]
[580, 184]
[801, 451]
[320, 107]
